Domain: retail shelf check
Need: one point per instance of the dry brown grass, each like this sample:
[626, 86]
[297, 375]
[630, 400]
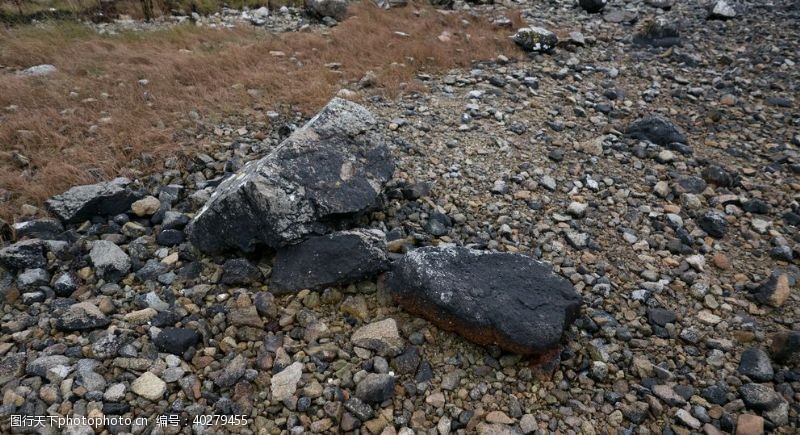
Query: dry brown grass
[91, 119]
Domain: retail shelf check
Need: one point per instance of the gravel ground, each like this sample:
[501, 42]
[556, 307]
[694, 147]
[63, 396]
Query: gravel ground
[684, 254]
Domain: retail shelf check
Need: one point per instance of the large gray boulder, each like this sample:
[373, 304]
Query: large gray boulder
[510, 300]
[81, 203]
[336, 9]
[333, 167]
[338, 258]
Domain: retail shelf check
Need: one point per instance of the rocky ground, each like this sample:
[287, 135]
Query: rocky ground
[650, 158]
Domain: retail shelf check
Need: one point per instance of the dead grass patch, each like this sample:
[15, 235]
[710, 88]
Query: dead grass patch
[93, 119]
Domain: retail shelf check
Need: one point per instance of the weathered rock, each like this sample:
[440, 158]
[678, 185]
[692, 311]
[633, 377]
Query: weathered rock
[785, 347]
[32, 278]
[149, 386]
[227, 376]
[84, 202]
[592, 6]
[536, 39]
[490, 298]
[335, 259]
[12, 366]
[46, 229]
[176, 340]
[279, 200]
[749, 424]
[721, 10]
[656, 130]
[775, 290]
[38, 70]
[755, 364]
[375, 388]
[27, 254]
[239, 271]
[41, 365]
[284, 383]
[82, 316]
[110, 261]
[382, 337]
[759, 397]
[714, 224]
[336, 9]
[145, 206]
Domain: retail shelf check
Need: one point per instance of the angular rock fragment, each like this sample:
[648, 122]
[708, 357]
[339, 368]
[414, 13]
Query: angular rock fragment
[85, 202]
[149, 386]
[656, 130]
[111, 262]
[714, 224]
[332, 168]
[755, 364]
[26, 254]
[375, 388]
[536, 39]
[382, 337]
[721, 10]
[12, 366]
[506, 299]
[339, 258]
[284, 384]
[775, 290]
[46, 229]
[82, 316]
[6, 233]
[176, 340]
[239, 271]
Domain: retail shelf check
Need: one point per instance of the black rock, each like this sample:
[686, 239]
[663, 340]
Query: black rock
[660, 316]
[338, 258]
[46, 229]
[755, 364]
[151, 270]
[438, 224]
[756, 206]
[375, 388]
[176, 340]
[592, 6]
[759, 397]
[718, 176]
[26, 254]
[85, 202]
[658, 34]
[656, 130]
[170, 237]
[332, 168]
[239, 271]
[66, 284]
[714, 224]
[80, 317]
[690, 184]
[776, 289]
[717, 394]
[174, 220]
[785, 347]
[506, 299]
[361, 410]
[407, 362]
[416, 190]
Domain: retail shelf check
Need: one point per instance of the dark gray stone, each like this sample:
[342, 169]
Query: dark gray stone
[336, 9]
[66, 284]
[27, 254]
[592, 6]
[80, 317]
[85, 202]
[176, 340]
[785, 347]
[239, 271]
[755, 364]
[658, 34]
[506, 299]
[46, 229]
[714, 224]
[656, 130]
[759, 397]
[110, 261]
[32, 278]
[335, 259]
[12, 366]
[332, 168]
[361, 410]
[375, 388]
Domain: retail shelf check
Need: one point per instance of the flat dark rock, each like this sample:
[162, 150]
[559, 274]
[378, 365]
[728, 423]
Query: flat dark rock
[335, 259]
[81, 203]
[332, 168]
[510, 300]
[176, 340]
[656, 130]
